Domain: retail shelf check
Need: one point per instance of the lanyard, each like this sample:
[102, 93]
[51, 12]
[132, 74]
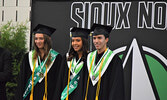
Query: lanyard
[99, 62]
[93, 70]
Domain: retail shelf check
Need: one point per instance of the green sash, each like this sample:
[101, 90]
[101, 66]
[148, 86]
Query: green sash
[75, 70]
[39, 71]
[72, 86]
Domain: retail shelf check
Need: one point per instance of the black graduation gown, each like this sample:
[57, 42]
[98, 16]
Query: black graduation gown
[63, 80]
[5, 71]
[111, 86]
[39, 89]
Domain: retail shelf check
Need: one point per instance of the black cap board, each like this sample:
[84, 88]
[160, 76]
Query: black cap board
[44, 29]
[98, 29]
[80, 32]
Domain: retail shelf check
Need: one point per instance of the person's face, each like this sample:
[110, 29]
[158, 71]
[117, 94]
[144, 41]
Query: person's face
[100, 42]
[77, 43]
[39, 40]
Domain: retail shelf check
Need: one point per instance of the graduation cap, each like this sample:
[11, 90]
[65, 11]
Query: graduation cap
[43, 29]
[99, 29]
[80, 32]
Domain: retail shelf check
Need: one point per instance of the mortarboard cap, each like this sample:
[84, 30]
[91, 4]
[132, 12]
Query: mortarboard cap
[44, 29]
[99, 29]
[80, 32]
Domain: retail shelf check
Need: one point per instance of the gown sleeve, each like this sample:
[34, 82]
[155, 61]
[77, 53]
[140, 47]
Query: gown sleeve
[61, 79]
[117, 88]
[53, 76]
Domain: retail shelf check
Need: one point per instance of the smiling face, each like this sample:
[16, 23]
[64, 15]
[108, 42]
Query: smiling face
[77, 43]
[39, 40]
[100, 42]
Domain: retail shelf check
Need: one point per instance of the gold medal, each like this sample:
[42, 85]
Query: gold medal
[71, 77]
[41, 75]
[93, 77]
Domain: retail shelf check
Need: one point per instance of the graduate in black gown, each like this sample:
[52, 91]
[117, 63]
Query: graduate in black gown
[40, 68]
[5, 71]
[72, 64]
[103, 77]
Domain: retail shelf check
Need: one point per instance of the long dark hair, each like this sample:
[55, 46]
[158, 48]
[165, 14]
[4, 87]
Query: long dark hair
[47, 47]
[84, 49]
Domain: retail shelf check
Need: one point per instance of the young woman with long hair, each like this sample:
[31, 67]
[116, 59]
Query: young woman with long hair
[39, 68]
[72, 64]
